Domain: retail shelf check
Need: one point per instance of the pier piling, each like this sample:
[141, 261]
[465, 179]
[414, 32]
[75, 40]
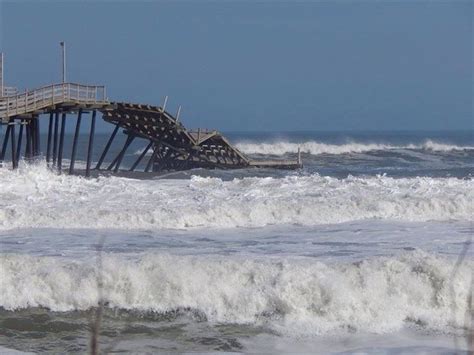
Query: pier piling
[28, 153]
[12, 138]
[50, 134]
[91, 144]
[37, 137]
[5, 143]
[61, 142]
[20, 137]
[74, 142]
[55, 138]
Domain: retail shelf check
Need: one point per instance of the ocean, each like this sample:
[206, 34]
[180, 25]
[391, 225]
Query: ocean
[366, 249]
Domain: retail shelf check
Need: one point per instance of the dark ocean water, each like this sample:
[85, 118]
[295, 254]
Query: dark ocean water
[338, 154]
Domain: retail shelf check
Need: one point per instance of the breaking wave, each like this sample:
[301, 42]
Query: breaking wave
[37, 197]
[300, 296]
[316, 148]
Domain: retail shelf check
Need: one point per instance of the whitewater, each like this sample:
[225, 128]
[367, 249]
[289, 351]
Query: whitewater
[301, 297]
[281, 147]
[359, 251]
[37, 197]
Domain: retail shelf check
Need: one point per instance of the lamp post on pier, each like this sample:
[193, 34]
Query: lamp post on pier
[1, 76]
[63, 49]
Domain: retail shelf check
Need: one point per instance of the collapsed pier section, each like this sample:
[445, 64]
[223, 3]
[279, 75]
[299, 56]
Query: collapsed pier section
[172, 146]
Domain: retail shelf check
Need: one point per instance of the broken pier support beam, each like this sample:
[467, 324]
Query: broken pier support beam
[142, 155]
[107, 147]
[152, 159]
[122, 153]
[118, 159]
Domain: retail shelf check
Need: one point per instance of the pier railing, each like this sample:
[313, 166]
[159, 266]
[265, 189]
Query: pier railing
[38, 99]
[9, 91]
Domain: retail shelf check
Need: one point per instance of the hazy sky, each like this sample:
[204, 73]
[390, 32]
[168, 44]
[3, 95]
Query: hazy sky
[268, 65]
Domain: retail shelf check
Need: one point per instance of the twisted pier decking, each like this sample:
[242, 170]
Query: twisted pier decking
[172, 146]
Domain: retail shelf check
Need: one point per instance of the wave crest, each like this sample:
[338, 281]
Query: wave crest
[316, 148]
[37, 197]
[291, 295]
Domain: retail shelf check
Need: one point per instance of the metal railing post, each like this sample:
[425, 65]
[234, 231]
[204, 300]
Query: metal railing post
[163, 108]
[178, 113]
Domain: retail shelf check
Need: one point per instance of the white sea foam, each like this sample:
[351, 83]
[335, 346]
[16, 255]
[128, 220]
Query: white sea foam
[140, 151]
[316, 148]
[300, 296]
[36, 197]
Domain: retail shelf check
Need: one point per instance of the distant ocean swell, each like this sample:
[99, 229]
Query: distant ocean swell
[316, 148]
[292, 296]
[36, 197]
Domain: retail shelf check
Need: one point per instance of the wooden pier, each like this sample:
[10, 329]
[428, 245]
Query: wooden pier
[170, 146]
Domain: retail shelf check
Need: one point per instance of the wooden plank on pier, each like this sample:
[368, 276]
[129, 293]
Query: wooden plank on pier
[276, 164]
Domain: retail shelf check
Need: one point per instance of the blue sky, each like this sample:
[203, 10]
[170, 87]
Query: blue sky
[268, 65]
